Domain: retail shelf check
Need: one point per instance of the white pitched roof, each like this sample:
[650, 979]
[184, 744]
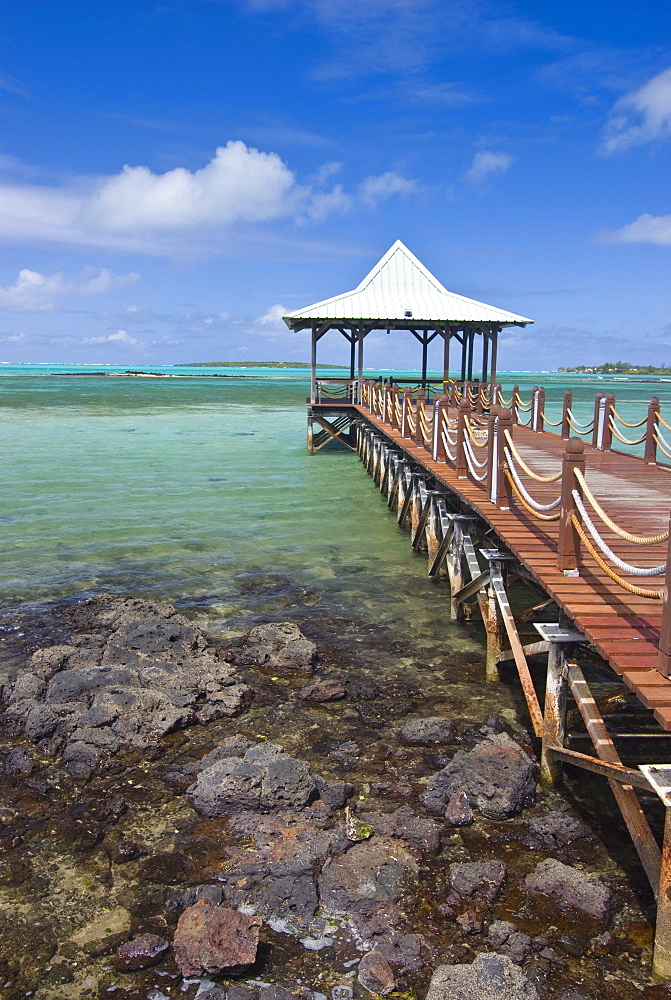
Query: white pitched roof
[400, 284]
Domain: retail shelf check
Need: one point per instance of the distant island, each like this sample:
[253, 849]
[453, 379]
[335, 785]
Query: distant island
[618, 368]
[252, 364]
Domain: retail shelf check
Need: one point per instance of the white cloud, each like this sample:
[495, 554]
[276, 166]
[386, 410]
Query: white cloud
[486, 163]
[374, 190]
[14, 338]
[120, 337]
[646, 229]
[274, 317]
[641, 116]
[142, 211]
[36, 292]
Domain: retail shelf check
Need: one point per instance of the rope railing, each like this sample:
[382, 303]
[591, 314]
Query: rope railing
[608, 521]
[655, 595]
[552, 423]
[661, 442]
[608, 552]
[471, 434]
[520, 461]
[473, 462]
[578, 427]
[662, 420]
[538, 510]
[624, 422]
[623, 439]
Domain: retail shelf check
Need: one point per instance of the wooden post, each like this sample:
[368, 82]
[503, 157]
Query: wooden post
[447, 336]
[537, 409]
[568, 546]
[565, 425]
[462, 415]
[606, 431]
[492, 452]
[419, 413]
[360, 336]
[514, 403]
[554, 714]
[503, 488]
[492, 366]
[438, 449]
[485, 357]
[597, 416]
[391, 405]
[407, 404]
[313, 364]
[661, 956]
[650, 444]
[664, 655]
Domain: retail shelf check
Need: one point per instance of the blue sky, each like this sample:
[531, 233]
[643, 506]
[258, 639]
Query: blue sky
[175, 174]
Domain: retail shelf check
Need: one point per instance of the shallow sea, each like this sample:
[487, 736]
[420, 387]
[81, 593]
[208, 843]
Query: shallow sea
[194, 489]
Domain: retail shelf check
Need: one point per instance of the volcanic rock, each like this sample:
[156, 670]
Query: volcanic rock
[571, 887]
[211, 939]
[497, 776]
[478, 878]
[458, 811]
[140, 953]
[490, 977]
[417, 832]
[323, 691]
[375, 974]
[425, 732]
[278, 644]
[557, 829]
[369, 876]
[145, 671]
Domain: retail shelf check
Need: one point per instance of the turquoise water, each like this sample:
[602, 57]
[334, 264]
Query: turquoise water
[196, 489]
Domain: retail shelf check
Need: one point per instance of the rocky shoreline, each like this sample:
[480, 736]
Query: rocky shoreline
[248, 820]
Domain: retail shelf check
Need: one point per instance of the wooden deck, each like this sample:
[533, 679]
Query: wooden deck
[623, 628]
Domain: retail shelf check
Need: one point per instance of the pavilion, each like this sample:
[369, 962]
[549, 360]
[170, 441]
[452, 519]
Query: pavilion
[401, 294]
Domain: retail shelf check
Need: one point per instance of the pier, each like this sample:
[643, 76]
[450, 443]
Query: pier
[494, 492]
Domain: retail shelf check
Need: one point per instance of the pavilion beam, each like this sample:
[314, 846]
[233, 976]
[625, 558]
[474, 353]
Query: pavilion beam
[471, 340]
[485, 355]
[361, 333]
[464, 340]
[425, 353]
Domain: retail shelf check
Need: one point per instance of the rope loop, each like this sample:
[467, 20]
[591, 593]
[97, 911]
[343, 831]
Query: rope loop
[624, 440]
[616, 414]
[520, 461]
[627, 535]
[655, 595]
[528, 507]
[520, 486]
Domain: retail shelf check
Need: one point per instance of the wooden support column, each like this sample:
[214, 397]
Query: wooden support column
[661, 956]
[492, 367]
[447, 336]
[664, 655]
[464, 349]
[485, 357]
[313, 364]
[425, 353]
[352, 355]
[360, 339]
[471, 344]
[556, 692]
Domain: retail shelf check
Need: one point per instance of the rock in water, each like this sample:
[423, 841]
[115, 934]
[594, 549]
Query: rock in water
[210, 939]
[572, 887]
[141, 671]
[478, 878]
[490, 977]
[140, 953]
[375, 974]
[265, 778]
[459, 812]
[278, 644]
[323, 691]
[424, 732]
[497, 776]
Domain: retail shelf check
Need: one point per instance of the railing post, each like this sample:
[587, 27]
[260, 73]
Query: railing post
[606, 430]
[462, 416]
[391, 406]
[493, 452]
[537, 409]
[664, 655]
[384, 404]
[514, 403]
[650, 455]
[419, 413]
[597, 417]
[565, 424]
[439, 408]
[568, 546]
[407, 403]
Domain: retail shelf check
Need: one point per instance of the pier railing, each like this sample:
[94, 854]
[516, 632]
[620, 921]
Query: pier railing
[476, 440]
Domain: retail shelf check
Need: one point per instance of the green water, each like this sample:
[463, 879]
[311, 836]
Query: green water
[197, 489]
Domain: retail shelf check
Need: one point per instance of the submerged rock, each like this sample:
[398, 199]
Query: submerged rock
[144, 672]
[323, 691]
[426, 732]
[497, 776]
[557, 829]
[375, 974]
[278, 644]
[478, 878]
[490, 977]
[263, 779]
[211, 939]
[369, 876]
[571, 887]
[140, 953]
[458, 811]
